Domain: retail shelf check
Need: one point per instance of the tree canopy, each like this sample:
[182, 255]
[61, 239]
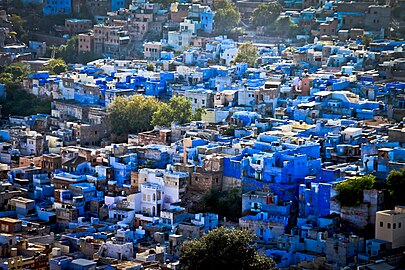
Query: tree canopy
[164, 3]
[247, 53]
[366, 40]
[139, 113]
[19, 102]
[396, 186]
[178, 109]
[224, 203]
[56, 66]
[351, 191]
[18, 26]
[283, 26]
[266, 14]
[69, 53]
[132, 114]
[222, 4]
[13, 74]
[224, 248]
[226, 17]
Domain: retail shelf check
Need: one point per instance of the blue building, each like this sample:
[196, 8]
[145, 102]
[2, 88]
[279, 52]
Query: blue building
[82, 264]
[122, 167]
[3, 92]
[118, 4]
[314, 199]
[207, 21]
[57, 7]
[61, 263]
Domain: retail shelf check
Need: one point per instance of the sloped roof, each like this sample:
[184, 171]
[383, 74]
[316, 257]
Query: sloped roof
[74, 162]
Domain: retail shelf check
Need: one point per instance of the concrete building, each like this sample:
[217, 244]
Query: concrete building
[390, 226]
[152, 50]
[85, 42]
[77, 26]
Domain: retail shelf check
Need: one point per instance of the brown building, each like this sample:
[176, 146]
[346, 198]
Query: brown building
[51, 162]
[397, 134]
[329, 28]
[162, 137]
[112, 40]
[98, 7]
[179, 12]
[10, 225]
[28, 160]
[7, 192]
[377, 18]
[85, 42]
[77, 26]
[209, 176]
[66, 215]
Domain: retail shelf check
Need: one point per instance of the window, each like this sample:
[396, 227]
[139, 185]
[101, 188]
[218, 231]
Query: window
[389, 225]
[394, 226]
[381, 224]
[399, 225]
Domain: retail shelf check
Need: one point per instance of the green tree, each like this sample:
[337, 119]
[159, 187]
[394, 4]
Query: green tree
[226, 18]
[266, 14]
[18, 24]
[366, 40]
[133, 114]
[7, 78]
[13, 74]
[178, 109]
[247, 53]
[396, 186]
[351, 191]
[199, 112]
[222, 4]
[85, 57]
[282, 26]
[224, 248]
[224, 203]
[16, 71]
[56, 66]
[69, 52]
[19, 102]
[164, 3]
[150, 67]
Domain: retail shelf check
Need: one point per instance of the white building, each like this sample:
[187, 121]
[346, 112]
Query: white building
[179, 39]
[189, 25]
[200, 98]
[152, 199]
[390, 226]
[227, 56]
[120, 251]
[167, 185]
[246, 96]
